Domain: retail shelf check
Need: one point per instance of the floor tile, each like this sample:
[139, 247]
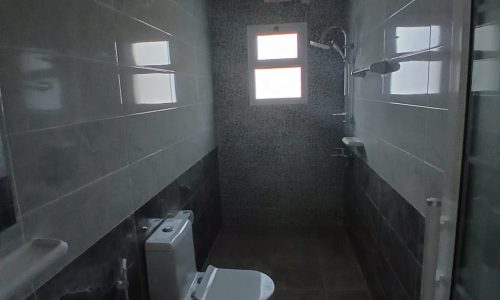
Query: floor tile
[335, 248]
[354, 295]
[304, 264]
[342, 275]
[292, 247]
[299, 295]
[295, 274]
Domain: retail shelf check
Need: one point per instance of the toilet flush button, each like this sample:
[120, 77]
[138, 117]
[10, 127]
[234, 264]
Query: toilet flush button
[168, 229]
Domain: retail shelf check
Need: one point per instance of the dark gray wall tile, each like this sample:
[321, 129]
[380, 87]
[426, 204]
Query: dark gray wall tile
[401, 260]
[93, 275]
[387, 234]
[404, 219]
[81, 216]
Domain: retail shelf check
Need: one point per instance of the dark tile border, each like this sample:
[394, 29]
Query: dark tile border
[94, 273]
[387, 234]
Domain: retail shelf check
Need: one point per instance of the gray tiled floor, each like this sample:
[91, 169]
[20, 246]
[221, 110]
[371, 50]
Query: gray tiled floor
[304, 264]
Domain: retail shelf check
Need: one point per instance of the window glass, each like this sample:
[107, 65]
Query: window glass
[277, 46]
[278, 83]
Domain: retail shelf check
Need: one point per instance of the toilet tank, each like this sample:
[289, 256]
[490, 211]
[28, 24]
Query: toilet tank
[170, 260]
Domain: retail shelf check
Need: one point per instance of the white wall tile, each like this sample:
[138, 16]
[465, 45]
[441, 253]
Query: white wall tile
[402, 117]
[77, 182]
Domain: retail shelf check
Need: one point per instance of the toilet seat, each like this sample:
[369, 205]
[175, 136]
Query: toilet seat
[229, 284]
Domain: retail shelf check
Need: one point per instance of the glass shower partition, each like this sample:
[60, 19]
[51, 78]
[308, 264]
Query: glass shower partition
[477, 259]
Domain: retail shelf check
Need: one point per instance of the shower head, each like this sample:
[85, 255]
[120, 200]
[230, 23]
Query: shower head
[325, 45]
[332, 28]
[319, 45]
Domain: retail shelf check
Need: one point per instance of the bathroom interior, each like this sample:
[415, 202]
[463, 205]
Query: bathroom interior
[250, 149]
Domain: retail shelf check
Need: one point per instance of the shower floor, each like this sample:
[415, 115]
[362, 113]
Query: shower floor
[304, 265]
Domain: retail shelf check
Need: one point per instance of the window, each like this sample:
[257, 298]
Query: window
[277, 63]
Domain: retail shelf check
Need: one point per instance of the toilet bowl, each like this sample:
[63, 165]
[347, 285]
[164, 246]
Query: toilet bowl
[172, 273]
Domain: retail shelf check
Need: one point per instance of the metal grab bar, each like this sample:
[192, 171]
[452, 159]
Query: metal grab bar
[431, 247]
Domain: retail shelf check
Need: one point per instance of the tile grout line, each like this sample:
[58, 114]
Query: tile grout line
[389, 225]
[121, 169]
[402, 150]
[401, 104]
[384, 255]
[120, 116]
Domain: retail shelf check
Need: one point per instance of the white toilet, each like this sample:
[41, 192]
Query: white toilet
[172, 271]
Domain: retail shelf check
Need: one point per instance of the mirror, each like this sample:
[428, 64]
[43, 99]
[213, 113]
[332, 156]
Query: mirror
[7, 211]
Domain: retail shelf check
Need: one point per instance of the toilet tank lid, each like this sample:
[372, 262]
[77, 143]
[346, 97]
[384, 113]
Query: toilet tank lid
[167, 234]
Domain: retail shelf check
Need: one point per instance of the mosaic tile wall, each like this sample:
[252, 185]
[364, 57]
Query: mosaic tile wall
[276, 163]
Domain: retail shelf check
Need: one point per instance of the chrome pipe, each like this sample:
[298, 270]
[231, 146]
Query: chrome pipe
[360, 72]
[431, 248]
[122, 283]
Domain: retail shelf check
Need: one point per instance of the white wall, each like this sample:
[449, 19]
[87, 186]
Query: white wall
[93, 145]
[406, 119]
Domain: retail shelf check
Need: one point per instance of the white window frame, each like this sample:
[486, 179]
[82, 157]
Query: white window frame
[301, 61]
